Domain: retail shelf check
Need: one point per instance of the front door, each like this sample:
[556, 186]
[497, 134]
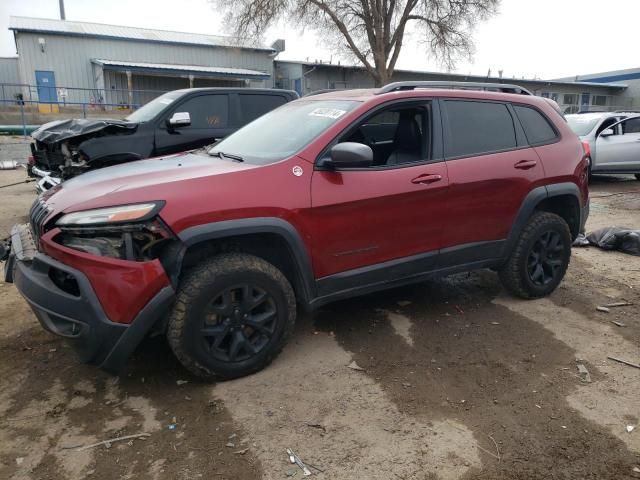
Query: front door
[210, 121]
[46, 85]
[384, 222]
[621, 151]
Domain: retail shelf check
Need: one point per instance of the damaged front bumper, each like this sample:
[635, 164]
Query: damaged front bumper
[46, 180]
[66, 304]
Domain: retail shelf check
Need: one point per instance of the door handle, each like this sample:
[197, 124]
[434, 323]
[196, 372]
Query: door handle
[525, 164]
[427, 178]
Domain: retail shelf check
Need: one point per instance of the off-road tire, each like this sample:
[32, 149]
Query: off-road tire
[194, 294]
[514, 275]
[637, 176]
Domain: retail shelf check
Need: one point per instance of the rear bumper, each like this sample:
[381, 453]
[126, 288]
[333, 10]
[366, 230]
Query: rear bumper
[77, 314]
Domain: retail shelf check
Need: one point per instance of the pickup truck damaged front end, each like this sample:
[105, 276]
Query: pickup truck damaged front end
[63, 149]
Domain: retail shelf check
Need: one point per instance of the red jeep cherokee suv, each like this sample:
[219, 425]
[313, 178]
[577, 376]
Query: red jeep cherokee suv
[330, 196]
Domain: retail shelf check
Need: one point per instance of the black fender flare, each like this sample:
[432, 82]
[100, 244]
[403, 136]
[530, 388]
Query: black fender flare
[230, 228]
[531, 201]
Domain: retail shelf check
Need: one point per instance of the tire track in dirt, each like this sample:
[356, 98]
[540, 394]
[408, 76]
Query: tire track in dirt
[339, 419]
[498, 373]
[49, 402]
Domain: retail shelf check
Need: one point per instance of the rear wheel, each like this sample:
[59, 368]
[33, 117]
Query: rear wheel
[637, 176]
[233, 315]
[540, 257]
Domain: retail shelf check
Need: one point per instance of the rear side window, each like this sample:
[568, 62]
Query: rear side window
[207, 111]
[536, 126]
[254, 106]
[478, 127]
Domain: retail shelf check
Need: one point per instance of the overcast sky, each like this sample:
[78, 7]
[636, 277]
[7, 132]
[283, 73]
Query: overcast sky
[536, 38]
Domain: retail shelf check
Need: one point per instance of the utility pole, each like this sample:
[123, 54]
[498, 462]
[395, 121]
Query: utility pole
[62, 15]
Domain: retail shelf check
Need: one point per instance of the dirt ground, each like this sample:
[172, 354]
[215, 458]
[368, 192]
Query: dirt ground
[459, 381]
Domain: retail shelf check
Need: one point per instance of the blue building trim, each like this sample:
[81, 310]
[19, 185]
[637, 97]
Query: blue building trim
[613, 78]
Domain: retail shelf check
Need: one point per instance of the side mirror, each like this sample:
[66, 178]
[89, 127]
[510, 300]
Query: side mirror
[607, 132]
[179, 119]
[349, 155]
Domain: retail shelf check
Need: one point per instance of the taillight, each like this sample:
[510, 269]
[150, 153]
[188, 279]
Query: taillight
[31, 161]
[587, 148]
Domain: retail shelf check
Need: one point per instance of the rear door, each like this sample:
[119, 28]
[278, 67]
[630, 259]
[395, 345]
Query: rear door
[620, 152]
[210, 121]
[491, 169]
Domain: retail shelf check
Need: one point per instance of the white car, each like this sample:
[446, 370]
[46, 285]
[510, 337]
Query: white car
[614, 140]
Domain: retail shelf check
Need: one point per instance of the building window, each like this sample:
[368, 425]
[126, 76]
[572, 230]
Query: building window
[599, 100]
[570, 99]
[554, 97]
[544, 94]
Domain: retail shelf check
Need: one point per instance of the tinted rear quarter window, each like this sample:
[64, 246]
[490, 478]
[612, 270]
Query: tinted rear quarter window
[478, 127]
[254, 106]
[536, 127]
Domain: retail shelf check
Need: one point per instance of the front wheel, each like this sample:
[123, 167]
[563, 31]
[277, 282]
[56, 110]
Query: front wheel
[233, 315]
[637, 176]
[540, 257]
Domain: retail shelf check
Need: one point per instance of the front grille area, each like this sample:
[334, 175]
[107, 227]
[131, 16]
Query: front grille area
[37, 215]
[47, 157]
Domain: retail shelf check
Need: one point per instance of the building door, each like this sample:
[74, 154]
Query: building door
[46, 83]
[298, 86]
[586, 101]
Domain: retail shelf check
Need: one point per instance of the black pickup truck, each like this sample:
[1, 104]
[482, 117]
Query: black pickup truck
[174, 122]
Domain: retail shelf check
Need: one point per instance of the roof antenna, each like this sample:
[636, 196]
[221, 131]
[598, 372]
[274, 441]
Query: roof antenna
[62, 15]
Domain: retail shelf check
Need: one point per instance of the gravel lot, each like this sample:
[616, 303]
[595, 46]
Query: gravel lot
[459, 381]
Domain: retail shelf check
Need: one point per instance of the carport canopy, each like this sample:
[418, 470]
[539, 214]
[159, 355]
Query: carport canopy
[166, 69]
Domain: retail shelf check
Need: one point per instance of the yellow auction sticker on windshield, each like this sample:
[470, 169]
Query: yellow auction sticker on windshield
[327, 113]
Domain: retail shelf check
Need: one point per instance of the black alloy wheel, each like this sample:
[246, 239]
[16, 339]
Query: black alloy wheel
[239, 322]
[545, 258]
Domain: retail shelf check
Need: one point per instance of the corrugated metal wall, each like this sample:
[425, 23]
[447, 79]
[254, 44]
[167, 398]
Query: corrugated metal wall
[9, 74]
[70, 57]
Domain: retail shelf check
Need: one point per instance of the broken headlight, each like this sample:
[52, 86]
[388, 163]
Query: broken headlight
[128, 232]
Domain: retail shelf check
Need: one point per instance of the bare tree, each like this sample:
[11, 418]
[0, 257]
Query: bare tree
[372, 30]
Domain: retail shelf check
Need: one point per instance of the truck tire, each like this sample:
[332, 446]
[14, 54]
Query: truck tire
[232, 316]
[637, 176]
[540, 257]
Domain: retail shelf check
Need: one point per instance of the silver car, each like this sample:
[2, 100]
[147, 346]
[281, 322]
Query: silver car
[614, 140]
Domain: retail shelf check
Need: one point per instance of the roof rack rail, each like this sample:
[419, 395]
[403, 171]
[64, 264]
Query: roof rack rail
[626, 111]
[497, 87]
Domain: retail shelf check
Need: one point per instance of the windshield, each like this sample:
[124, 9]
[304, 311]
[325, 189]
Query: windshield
[582, 125]
[150, 110]
[284, 131]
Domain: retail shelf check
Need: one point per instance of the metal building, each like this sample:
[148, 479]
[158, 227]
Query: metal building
[573, 95]
[126, 65]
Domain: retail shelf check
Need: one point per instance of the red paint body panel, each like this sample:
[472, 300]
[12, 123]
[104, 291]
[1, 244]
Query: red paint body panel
[371, 216]
[122, 287]
[485, 194]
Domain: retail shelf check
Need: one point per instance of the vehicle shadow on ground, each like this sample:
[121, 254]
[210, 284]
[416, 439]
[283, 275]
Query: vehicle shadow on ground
[500, 374]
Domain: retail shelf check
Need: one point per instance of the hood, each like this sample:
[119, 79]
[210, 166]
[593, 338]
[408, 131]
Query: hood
[59, 130]
[144, 180]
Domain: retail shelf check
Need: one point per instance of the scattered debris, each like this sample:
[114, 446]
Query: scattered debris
[618, 304]
[354, 366]
[19, 460]
[619, 324]
[495, 323]
[619, 360]
[602, 309]
[317, 425]
[241, 452]
[181, 382]
[636, 470]
[583, 373]
[538, 406]
[230, 444]
[232, 436]
[172, 426]
[293, 458]
[107, 443]
[564, 426]
[459, 309]
[403, 303]
[630, 428]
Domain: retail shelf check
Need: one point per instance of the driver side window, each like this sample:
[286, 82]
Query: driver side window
[631, 126]
[397, 135]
